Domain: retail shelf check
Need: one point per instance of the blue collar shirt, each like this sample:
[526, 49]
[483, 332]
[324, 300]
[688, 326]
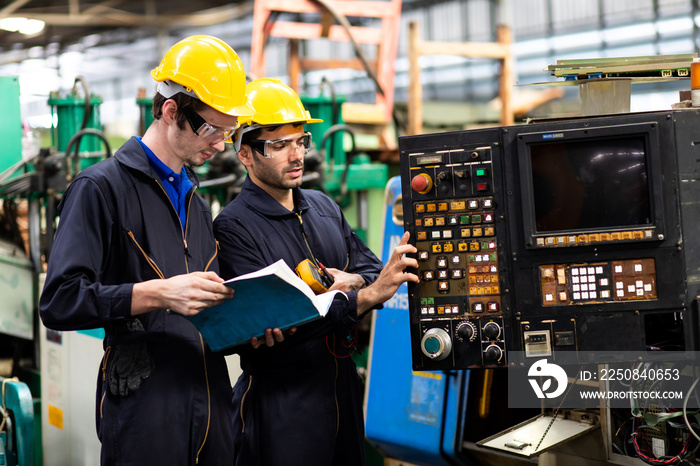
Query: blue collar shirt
[176, 185]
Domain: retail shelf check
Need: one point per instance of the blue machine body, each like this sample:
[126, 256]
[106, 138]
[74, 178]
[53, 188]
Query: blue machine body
[410, 416]
[17, 436]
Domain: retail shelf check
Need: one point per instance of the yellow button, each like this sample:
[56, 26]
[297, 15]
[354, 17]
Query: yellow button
[436, 248]
[422, 235]
[428, 221]
[626, 235]
[582, 238]
[473, 246]
[617, 236]
[638, 235]
[420, 208]
[605, 236]
[431, 207]
[477, 232]
[489, 231]
[462, 246]
[458, 205]
[593, 237]
[448, 247]
[439, 221]
[465, 232]
[442, 206]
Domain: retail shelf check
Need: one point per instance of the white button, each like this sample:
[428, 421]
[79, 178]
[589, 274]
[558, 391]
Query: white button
[574, 271]
[639, 283]
[630, 288]
[584, 287]
[548, 297]
[605, 294]
[591, 270]
[640, 292]
[577, 295]
[171, 179]
[591, 287]
[620, 293]
[647, 287]
[591, 279]
[603, 282]
[637, 267]
[594, 295]
[575, 288]
[562, 296]
[435, 234]
[574, 279]
[447, 234]
[618, 269]
[584, 295]
[619, 285]
[599, 270]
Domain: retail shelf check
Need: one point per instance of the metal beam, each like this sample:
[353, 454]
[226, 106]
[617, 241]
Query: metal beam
[12, 7]
[120, 18]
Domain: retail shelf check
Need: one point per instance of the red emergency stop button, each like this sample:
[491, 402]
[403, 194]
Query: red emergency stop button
[422, 183]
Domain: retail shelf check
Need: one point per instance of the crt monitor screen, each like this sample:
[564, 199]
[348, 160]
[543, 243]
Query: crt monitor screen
[590, 184]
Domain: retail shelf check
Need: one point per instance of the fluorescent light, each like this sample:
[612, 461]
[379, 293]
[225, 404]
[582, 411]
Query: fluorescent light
[22, 25]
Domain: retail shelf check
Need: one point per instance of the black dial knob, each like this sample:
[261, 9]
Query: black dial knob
[493, 353]
[466, 331]
[491, 330]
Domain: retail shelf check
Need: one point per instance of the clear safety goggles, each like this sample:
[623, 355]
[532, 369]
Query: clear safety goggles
[282, 147]
[204, 130]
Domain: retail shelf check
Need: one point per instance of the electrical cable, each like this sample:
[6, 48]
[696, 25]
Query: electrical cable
[685, 410]
[75, 139]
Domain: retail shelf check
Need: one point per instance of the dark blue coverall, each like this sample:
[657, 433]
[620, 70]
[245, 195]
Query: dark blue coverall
[300, 401]
[172, 404]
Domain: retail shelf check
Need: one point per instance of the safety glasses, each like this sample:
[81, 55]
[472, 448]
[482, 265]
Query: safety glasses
[282, 147]
[204, 130]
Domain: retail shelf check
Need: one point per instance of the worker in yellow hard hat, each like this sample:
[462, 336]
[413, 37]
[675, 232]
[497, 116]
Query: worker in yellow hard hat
[134, 253]
[303, 396]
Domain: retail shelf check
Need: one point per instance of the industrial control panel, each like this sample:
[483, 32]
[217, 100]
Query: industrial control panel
[457, 217]
[557, 236]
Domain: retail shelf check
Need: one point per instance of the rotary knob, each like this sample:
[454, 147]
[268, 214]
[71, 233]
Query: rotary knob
[436, 344]
[466, 331]
[491, 330]
[422, 183]
[493, 353]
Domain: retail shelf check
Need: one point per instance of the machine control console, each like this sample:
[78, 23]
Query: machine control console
[455, 228]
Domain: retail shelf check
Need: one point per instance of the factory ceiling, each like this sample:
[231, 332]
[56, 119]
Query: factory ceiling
[68, 22]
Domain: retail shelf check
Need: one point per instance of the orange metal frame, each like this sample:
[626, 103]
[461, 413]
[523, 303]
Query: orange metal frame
[385, 37]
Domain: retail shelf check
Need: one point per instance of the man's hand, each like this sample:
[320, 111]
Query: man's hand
[186, 294]
[272, 336]
[343, 281]
[391, 277]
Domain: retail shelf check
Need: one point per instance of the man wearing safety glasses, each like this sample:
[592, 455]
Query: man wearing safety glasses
[135, 252]
[299, 399]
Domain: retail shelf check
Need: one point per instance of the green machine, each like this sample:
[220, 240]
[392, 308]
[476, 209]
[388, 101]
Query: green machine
[349, 176]
[75, 117]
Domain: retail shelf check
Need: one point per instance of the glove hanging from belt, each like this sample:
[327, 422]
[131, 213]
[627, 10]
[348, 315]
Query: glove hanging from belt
[131, 363]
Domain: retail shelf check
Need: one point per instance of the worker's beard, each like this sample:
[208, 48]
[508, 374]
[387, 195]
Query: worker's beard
[276, 177]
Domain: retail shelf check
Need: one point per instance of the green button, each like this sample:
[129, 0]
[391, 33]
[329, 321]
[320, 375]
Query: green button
[423, 302]
[476, 218]
[464, 219]
[481, 172]
[431, 301]
[432, 345]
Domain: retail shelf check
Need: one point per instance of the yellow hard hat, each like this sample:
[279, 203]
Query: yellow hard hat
[206, 68]
[275, 103]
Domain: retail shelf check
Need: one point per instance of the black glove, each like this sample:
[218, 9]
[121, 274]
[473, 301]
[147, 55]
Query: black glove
[131, 364]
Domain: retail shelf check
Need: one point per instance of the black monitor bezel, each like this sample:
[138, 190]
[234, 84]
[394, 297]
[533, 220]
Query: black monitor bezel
[648, 130]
